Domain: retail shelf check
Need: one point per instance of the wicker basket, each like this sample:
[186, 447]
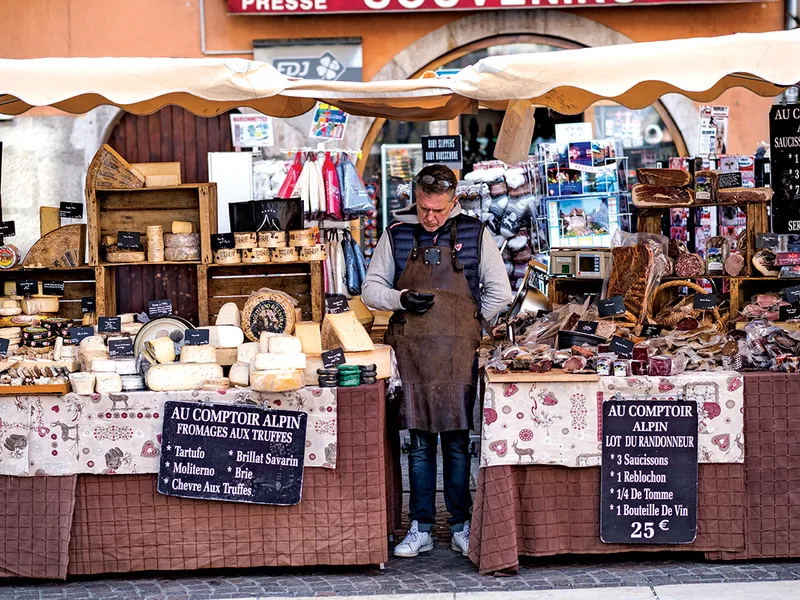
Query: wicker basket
[651, 312]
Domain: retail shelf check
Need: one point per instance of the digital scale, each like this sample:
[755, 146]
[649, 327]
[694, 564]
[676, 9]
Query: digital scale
[582, 264]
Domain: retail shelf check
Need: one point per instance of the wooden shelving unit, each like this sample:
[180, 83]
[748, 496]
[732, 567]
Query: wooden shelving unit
[79, 283]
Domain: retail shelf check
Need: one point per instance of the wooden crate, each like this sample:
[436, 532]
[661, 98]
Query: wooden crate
[235, 283]
[110, 211]
[79, 282]
[559, 289]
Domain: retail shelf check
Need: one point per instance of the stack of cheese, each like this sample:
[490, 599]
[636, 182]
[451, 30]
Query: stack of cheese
[14, 337]
[182, 244]
[155, 243]
[128, 324]
[279, 364]
[35, 304]
[10, 307]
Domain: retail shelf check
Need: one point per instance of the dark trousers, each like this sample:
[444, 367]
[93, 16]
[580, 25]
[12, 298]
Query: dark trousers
[422, 476]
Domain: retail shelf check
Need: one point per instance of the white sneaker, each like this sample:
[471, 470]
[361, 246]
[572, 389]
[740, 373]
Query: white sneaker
[460, 541]
[416, 541]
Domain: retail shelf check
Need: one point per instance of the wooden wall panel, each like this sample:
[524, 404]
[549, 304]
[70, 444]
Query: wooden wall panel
[139, 284]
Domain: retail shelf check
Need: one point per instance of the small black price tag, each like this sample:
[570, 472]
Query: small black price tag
[621, 346]
[652, 330]
[129, 239]
[53, 288]
[27, 287]
[196, 337]
[586, 327]
[159, 308]
[109, 324]
[705, 301]
[333, 358]
[767, 240]
[792, 294]
[611, 307]
[70, 210]
[79, 333]
[220, 241]
[729, 180]
[336, 303]
[8, 229]
[789, 312]
[541, 313]
[120, 347]
[4, 347]
[88, 304]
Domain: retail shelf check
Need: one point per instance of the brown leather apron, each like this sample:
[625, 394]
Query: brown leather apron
[436, 350]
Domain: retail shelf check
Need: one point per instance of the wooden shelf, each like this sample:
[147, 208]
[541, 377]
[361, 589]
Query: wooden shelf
[549, 377]
[183, 186]
[149, 263]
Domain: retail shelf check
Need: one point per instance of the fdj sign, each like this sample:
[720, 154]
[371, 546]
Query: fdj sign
[325, 67]
[443, 150]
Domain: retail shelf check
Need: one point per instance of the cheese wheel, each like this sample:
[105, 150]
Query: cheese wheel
[283, 255]
[227, 256]
[246, 239]
[216, 384]
[123, 257]
[345, 331]
[224, 336]
[180, 376]
[227, 356]
[255, 256]
[277, 362]
[247, 351]
[182, 240]
[161, 349]
[302, 237]
[178, 254]
[240, 374]
[155, 237]
[156, 255]
[268, 311]
[103, 365]
[125, 366]
[132, 383]
[285, 344]
[10, 312]
[229, 314]
[107, 383]
[198, 354]
[35, 306]
[182, 227]
[311, 253]
[276, 381]
[309, 335]
[272, 239]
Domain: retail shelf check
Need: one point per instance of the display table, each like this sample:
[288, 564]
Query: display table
[88, 524]
[745, 510]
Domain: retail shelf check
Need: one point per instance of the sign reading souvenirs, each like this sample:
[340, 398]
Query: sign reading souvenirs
[443, 150]
[233, 453]
[648, 485]
[311, 7]
[784, 159]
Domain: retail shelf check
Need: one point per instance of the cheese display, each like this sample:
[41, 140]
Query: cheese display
[155, 243]
[181, 253]
[35, 306]
[311, 253]
[313, 363]
[126, 318]
[240, 374]
[161, 349]
[224, 336]
[103, 365]
[182, 227]
[276, 381]
[247, 351]
[344, 330]
[132, 383]
[62, 247]
[125, 256]
[180, 376]
[381, 356]
[198, 354]
[125, 366]
[216, 384]
[284, 344]
[107, 383]
[268, 310]
[308, 333]
[271, 239]
[227, 256]
[303, 237]
[255, 256]
[276, 362]
[283, 255]
[229, 314]
[245, 240]
[82, 383]
[182, 240]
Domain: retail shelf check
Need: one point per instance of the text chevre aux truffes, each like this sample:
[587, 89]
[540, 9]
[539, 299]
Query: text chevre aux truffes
[221, 419]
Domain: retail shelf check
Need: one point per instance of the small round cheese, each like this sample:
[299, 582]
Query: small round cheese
[245, 239]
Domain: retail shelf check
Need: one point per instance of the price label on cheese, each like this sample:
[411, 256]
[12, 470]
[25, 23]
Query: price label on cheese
[53, 288]
[621, 346]
[586, 327]
[333, 358]
[4, 343]
[336, 303]
[159, 308]
[26, 287]
[611, 307]
[79, 333]
[70, 210]
[121, 347]
[129, 239]
[7, 229]
[789, 312]
[652, 330]
[705, 301]
[196, 337]
[220, 241]
[109, 324]
[88, 304]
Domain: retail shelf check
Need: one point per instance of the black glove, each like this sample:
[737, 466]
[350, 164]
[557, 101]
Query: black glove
[416, 302]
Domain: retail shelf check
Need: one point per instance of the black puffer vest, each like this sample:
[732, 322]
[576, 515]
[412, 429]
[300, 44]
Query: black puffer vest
[469, 236]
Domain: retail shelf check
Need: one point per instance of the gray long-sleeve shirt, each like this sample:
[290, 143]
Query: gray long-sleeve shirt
[378, 289]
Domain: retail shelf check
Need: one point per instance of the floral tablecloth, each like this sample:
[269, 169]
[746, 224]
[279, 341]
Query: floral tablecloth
[107, 434]
[560, 423]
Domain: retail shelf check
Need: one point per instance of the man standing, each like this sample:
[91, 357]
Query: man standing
[439, 271]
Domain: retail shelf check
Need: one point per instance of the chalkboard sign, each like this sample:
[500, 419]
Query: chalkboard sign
[109, 324]
[586, 327]
[79, 333]
[4, 344]
[120, 348]
[767, 240]
[621, 346]
[784, 125]
[611, 307]
[233, 453]
[648, 491]
[336, 303]
[220, 241]
[789, 312]
[88, 304]
[7, 229]
[444, 150]
[53, 288]
[333, 358]
[704, 301]
[196, 337]
[159, 308]
[129, 239]
[792, 293]
[27, 287]
[70, 210]
[652, 330]
[729, 180]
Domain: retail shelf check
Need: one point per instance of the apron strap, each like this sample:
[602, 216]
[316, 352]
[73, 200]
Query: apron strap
[415, 243]
[453, 241]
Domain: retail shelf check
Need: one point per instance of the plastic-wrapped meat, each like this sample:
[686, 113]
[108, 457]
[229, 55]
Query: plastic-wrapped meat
[753, 311]
[575, 363]
[767, 300]
[584, 351]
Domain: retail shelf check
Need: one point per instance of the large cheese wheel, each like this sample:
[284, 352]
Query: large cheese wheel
[179, 376]
[173, 253]
[123, 257]
[276, 362]
[345, 331]
[276, 381]
[224, 336]
[240, 374]
[182, 240]
[103, 365]
[198, 354]
[125, 366]
[255, 255]
[268, 311]
[245, 239]
[309, 335]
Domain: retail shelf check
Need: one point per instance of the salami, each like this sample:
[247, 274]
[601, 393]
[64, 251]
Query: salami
[734, 265]
[689, 265]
